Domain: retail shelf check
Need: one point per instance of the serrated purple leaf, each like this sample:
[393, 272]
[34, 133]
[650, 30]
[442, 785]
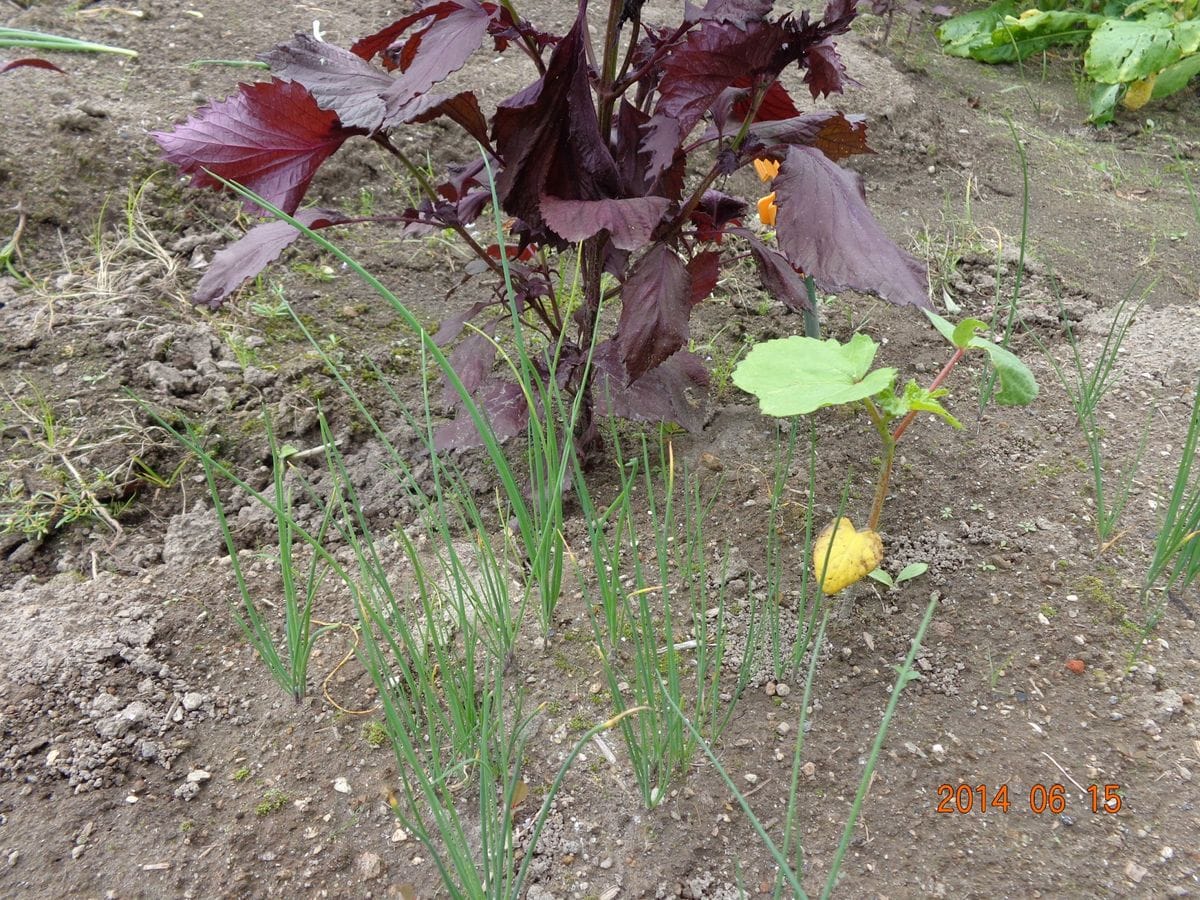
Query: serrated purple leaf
[833, 133]
[704, 269]
[548, 137]
[655, 308]
[824, 227]
[507, 412]
[658, 396]
[270, 137]
[360, 94]
[364, 96]
[778, 277]
[714, 211]
[373, 44]
[826, 73]
[629, 123]
[696, 73]
[629, 222]
[839, 14]
[452, 326]
[462, 109]
[243, 259]
[472, 361]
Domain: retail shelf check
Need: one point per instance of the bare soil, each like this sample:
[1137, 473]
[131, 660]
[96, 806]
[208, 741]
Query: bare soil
[124, 674]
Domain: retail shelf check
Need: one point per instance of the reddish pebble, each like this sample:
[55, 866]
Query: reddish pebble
[1076, 666]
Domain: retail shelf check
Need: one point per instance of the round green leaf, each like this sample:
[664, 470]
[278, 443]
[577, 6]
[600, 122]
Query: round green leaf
[798, 375]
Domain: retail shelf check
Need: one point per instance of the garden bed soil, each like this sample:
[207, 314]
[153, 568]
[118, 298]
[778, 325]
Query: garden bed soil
[144, 751]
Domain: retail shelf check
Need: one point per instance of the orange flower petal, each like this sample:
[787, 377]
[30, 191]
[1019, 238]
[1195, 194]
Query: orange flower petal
[766, 168]
[766, 210]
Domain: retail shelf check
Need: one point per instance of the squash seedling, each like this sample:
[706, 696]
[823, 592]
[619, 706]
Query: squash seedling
[796, 376]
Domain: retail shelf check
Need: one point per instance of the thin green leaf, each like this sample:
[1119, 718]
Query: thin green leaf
[1018, 387]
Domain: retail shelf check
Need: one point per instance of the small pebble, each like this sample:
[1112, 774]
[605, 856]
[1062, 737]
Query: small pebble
[342, 786]
[751, 778]
[1134, 872]
[368, 865]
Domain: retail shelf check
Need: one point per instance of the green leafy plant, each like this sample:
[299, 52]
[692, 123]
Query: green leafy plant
[798, 375]
[1085, 385]
[273, 801]
[1137, 50]
[1176, 561]
[908, 573]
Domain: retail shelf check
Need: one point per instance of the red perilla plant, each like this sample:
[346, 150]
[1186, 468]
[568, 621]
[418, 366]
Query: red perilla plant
[618, 150]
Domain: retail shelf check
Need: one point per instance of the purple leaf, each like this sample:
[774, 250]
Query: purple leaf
[362, 95]
[711, 59]
[251, 253]
[549, 138]
[779, 278]
[367, 97]
[472, 361]
[505, 30]
[367, 48]
[431, 53]
[453, 325]
[704, 269]
[270, 137]
[630, 121]
[834, 134]
[826, 74]
[839, 14]
[714, 211]
[656, 302]
[462, 108]
[776, 103]
[658, 396]
[30, 62]
[630, 222]
[505, 407]
[461, 179]
[825, 228]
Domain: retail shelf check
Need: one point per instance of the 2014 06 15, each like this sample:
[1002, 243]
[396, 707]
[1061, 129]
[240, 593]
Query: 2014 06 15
[963, 799]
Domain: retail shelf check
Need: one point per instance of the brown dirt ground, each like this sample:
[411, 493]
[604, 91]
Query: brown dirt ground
[123, 672]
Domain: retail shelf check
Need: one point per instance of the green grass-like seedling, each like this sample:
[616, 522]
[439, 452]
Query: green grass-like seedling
[37, 40]
[272, 801]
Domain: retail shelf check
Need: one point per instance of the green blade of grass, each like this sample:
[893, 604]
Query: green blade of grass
[37, 40]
